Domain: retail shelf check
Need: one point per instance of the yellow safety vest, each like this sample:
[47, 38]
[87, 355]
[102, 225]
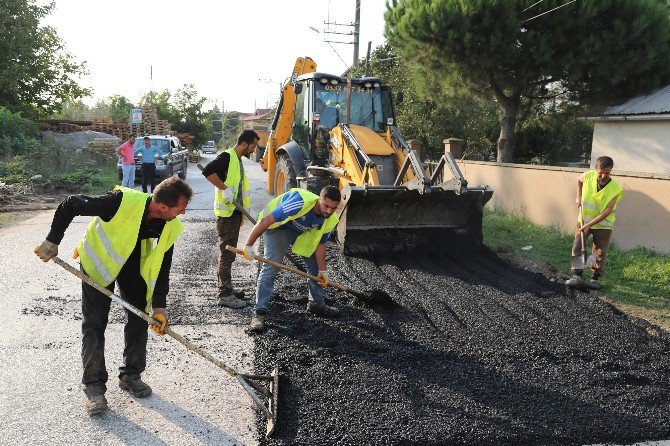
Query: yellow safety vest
[221, 207]
[594, 202]
[306, 243]
[106, 246]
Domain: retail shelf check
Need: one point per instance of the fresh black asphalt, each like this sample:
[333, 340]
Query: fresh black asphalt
[472, 351]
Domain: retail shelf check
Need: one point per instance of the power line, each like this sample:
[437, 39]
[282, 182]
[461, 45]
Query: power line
[547, 12]
[536, 3]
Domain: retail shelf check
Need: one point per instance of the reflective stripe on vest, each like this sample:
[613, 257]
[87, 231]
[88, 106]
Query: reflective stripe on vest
[306, 243]
[107, 245]
[594, 201]
[235, 167]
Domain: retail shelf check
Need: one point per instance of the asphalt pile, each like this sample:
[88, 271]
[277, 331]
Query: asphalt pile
[471, 351]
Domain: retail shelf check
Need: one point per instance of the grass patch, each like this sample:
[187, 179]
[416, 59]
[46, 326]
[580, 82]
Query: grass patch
[635, 280]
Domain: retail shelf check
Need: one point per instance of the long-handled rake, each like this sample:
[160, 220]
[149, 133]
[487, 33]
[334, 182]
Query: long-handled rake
[252, 384]
[373, 296]
[289, 255]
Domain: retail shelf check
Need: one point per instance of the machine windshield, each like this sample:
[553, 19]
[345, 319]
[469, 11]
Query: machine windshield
[369, 106]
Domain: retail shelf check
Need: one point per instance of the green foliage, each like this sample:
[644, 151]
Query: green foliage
[37, 75]
[550, 132]
[432, 113]
[637, 277]
[119, 108]
[17, 135]
[183, 111]
[232, 126]
[588, 51]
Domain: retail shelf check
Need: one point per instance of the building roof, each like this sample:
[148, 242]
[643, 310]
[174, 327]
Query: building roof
[655, 103]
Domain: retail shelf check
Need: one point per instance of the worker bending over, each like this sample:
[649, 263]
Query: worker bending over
[129, 241]
[302, 221]
[598, 195]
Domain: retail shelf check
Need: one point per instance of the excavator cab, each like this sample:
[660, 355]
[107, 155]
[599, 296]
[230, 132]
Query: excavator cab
[333, 130]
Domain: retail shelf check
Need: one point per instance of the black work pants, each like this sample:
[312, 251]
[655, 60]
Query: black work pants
[148, 176]
[228, 231]
[95, 311]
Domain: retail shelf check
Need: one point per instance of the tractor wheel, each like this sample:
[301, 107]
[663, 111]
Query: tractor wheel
[285, 177]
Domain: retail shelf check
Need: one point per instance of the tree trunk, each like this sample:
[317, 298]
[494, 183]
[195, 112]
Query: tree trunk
[507, 138]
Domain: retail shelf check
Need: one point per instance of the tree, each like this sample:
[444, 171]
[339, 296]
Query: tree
[587, 51]
[431, 113]
[190, 117]
[232, 126]
[119, 108]
[37, 75]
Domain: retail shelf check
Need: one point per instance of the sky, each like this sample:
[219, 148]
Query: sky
[235, 53]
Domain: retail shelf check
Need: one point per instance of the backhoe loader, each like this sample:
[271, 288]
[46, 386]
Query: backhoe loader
[341, 131]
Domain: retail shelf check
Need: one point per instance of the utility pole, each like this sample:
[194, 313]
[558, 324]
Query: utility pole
[355, 33]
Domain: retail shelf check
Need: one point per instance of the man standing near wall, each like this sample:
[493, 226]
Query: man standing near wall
[226, 173]
[125, 151]
[597, 196]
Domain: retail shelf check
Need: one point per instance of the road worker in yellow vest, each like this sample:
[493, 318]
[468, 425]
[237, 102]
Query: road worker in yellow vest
[226, 173]
[598, 195]
[301, 221]
[130, 242]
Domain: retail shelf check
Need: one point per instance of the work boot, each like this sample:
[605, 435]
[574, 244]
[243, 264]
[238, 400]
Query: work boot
[257, 322]
[594, 284]
[575, 282]
[135, 386]
[238, 294]
[322, 309]
[231, 301]
[96, 405]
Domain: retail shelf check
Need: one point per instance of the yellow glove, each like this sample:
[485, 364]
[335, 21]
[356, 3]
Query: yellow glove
[162, 318]
[248, 253]
[46, 250]
[323, 278]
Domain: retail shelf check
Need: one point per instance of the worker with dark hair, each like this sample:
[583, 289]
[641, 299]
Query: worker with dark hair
[597, 196]
[129, 241]
[226, 173]
[302, 221]
[149, 153]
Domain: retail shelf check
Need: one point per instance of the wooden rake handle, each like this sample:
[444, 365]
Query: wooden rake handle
[291, 269]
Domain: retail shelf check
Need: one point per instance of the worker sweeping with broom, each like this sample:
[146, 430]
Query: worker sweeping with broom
[302, 221]
[597, 198]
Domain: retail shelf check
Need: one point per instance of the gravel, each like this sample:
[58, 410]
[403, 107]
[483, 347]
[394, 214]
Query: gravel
[472, 351]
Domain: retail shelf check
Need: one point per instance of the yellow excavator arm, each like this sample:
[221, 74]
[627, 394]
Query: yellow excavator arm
[282, 126]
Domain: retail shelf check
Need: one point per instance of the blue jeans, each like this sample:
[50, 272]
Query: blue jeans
[276, 243]
[128, 175]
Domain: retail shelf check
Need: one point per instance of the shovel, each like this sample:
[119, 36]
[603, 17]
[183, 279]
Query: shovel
[289, 255]
[251, 383]
[581, 261]
[370, 297]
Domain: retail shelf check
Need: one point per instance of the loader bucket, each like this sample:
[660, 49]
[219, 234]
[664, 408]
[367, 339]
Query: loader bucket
[397, 219]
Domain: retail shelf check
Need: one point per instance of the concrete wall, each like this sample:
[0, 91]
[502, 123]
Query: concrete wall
[636, 146]
[546, 195]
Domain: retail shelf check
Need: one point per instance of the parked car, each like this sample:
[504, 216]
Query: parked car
[210, 147]
[174, 159]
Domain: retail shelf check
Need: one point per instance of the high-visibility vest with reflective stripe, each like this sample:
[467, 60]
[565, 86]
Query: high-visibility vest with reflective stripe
[306, 243]
[221, 207]
[594, 201]
[106, 246]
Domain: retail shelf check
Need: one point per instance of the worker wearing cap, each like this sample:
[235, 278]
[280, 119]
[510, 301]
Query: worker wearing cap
[597, 195]
[302, 221]
[226, 173]
[130, 242]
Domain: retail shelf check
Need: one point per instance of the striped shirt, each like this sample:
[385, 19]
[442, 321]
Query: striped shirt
[291, 204]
